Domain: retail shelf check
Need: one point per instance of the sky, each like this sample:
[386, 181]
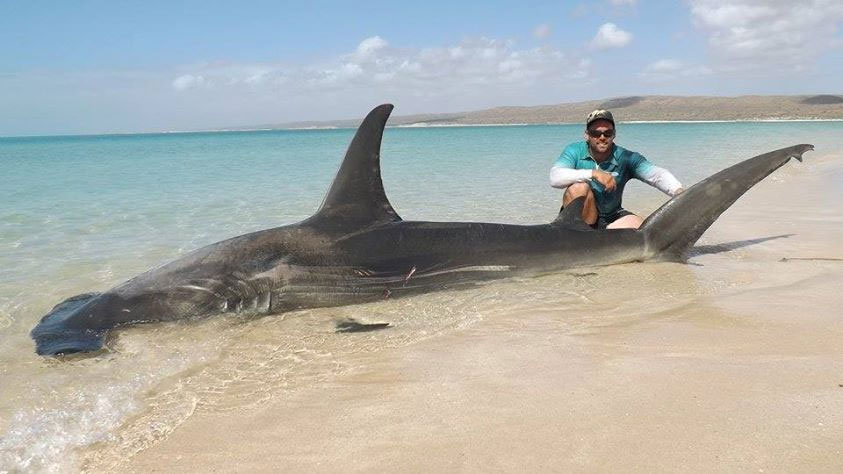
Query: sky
[116, 66]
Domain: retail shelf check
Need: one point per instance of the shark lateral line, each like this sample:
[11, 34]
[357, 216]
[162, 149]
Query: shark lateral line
[357, 249]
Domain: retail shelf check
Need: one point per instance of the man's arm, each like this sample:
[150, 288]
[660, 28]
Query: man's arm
[564, 172]
[561, 177]
[658, 177]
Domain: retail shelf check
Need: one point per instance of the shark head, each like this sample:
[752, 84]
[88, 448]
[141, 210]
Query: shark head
[59, 332]
[80, 323]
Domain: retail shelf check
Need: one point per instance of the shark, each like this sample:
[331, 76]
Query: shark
[357, 249]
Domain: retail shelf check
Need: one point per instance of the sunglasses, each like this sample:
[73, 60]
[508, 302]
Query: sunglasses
[598, 133]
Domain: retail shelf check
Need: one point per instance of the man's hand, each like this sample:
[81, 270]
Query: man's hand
[678, 192]
[604, 178]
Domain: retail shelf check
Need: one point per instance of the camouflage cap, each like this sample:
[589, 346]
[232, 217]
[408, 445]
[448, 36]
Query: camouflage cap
[599, 114]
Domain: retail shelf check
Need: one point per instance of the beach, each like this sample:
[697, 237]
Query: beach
[327, 237]
[729, 362]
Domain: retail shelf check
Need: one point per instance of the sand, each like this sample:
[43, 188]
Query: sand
[733, 362]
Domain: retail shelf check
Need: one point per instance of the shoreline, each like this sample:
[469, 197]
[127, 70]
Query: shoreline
[410, 126]
[630, 109]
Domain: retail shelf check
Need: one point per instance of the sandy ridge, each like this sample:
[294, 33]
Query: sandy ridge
[628, 109]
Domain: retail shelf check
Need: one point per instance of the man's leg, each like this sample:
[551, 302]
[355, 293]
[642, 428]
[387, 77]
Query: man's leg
[629, 221]
[589, 208]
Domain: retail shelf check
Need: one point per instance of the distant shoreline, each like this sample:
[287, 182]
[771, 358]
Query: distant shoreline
[463, 125]
[633, 109]
[415, 125]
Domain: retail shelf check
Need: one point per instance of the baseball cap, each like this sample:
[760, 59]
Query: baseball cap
[599, 114]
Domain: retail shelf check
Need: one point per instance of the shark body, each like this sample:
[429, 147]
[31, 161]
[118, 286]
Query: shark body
[357, 249]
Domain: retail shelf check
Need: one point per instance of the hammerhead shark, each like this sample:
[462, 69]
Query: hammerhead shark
[357, 249]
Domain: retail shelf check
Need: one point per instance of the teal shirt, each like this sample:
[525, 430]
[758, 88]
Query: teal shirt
[624, 164]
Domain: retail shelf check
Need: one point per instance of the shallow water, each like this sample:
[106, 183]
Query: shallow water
[83, 214]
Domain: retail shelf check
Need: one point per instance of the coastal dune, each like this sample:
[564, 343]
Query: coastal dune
[673, 108]
[630, 109]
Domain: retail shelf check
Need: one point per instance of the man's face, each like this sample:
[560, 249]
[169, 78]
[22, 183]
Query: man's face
[600, 135]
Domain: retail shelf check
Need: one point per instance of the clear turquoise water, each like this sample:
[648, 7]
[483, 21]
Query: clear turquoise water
[85, 213]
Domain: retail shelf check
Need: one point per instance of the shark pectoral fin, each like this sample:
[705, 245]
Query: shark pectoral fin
[571, 216]
[352, 325]
[356, 198]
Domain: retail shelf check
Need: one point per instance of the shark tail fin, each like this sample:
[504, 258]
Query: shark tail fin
[356, 197]
[672, 230]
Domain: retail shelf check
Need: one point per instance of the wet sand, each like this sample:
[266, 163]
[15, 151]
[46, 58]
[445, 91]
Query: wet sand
[733, 362]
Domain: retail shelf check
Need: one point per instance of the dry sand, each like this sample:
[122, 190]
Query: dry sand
[732, 363]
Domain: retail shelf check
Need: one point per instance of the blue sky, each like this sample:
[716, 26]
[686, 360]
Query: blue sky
[118, 66]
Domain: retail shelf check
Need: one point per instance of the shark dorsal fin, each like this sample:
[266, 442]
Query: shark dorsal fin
[356, 197]
[571, 216]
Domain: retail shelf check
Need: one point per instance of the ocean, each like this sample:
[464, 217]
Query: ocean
[84, 213]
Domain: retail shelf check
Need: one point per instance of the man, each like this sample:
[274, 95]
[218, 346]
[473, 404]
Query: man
[598, 170]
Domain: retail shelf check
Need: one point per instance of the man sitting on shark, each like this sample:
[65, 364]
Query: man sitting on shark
[597, 169]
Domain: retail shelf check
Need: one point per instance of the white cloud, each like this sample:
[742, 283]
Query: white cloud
[756, 35]
[472, 73]
[670, 69]
[456, 52]
[610, 36]
[620, 3]
[371, 46]
[340, 75]
[665, 65]
[541, 31]
[189, 81]
[257, 78]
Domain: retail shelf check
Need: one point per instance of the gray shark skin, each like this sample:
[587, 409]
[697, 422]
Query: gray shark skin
[357, 249]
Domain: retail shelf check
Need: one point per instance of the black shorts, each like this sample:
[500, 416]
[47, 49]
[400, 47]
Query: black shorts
[604, 221]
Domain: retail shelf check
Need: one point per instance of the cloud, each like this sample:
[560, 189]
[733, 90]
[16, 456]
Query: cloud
[370, 46]
[541, 31]
[610, 36]
[343, 73]
[480, 64]
[189, 81]
[623, 3]
[755, 35]
[470, 74]
[670, 69]
[665, 65]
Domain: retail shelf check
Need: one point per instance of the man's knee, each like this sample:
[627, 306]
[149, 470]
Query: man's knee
[577, 190]
[629, 221]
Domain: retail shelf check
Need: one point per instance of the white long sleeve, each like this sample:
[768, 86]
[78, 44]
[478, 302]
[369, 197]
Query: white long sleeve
[662, 180]
[563, 177]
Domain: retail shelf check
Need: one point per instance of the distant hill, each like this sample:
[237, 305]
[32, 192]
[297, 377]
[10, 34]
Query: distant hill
[626, 109]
